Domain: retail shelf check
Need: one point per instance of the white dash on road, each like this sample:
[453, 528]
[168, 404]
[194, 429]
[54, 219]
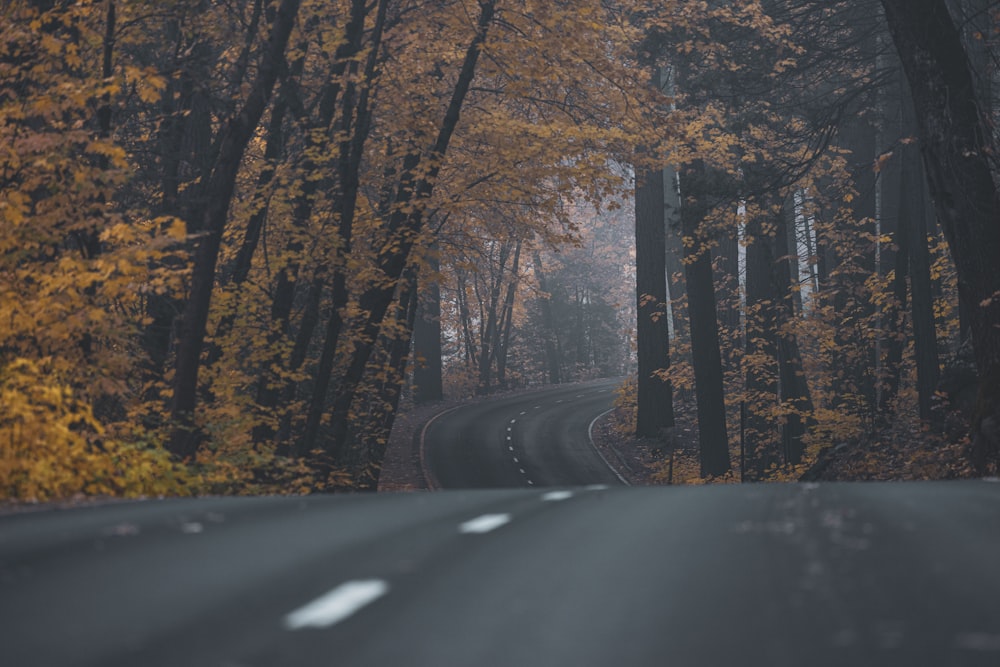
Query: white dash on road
[513, 421]
[530, 483]
[597, 487]
[522, 471]
[515, 460]
[556, 496]
[579, 395]
[524, 412]
[337, 605]
[484, 523]
[510, 447]
[508, 437]
[538, 407]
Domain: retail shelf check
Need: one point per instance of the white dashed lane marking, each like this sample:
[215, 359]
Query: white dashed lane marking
[556, 496]
[524, 412]
[484, 523]
[340, 603]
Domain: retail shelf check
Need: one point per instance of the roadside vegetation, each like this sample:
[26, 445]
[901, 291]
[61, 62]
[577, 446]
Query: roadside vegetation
[236, 239]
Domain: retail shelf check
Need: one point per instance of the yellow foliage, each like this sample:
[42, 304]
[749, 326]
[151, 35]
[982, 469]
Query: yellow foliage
[51, 446]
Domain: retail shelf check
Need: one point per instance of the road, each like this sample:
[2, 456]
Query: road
[539, 438]
[754, 575]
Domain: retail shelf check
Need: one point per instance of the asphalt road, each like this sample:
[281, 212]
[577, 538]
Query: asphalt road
[754, 575]
[539, 438]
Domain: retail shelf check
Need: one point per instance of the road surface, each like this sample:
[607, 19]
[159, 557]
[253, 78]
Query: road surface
[539, 438]
[754, 575]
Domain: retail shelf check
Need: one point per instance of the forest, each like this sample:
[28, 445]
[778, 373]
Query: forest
[238, 237]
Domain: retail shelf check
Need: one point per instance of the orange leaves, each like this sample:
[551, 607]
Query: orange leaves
[881, 161]
[52, 446]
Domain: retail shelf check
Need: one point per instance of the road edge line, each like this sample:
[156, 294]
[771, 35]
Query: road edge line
[429, 478]
[590, 438]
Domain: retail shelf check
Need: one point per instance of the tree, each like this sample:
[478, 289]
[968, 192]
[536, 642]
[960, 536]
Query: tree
[654, 410]
[697, 187]
[957, 148]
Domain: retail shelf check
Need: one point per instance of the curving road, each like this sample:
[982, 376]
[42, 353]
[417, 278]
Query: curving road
[540, 438]
[873, 575]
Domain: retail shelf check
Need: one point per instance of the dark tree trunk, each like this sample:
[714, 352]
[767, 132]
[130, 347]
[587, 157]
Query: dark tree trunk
[655, 410]
[502, 346]
[713, 439]
[925, 346]
[553, 356]
[489, 334]
[957, 149]
[462, 297]
[355, 128]
[894, 256]
[184, 440]
[427, 371]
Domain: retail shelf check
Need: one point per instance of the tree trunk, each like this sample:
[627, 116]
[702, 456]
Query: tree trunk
[894, 256]
[553, 356]
[354, 133]
[655, 409]
[489, 334]
[502, 346]
[712, 436]
[925, 345]
[427, 371]
[797, 406]
[957, 149]
[237, 132]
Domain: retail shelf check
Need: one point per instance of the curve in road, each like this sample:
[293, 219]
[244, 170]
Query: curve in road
[540, 438]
